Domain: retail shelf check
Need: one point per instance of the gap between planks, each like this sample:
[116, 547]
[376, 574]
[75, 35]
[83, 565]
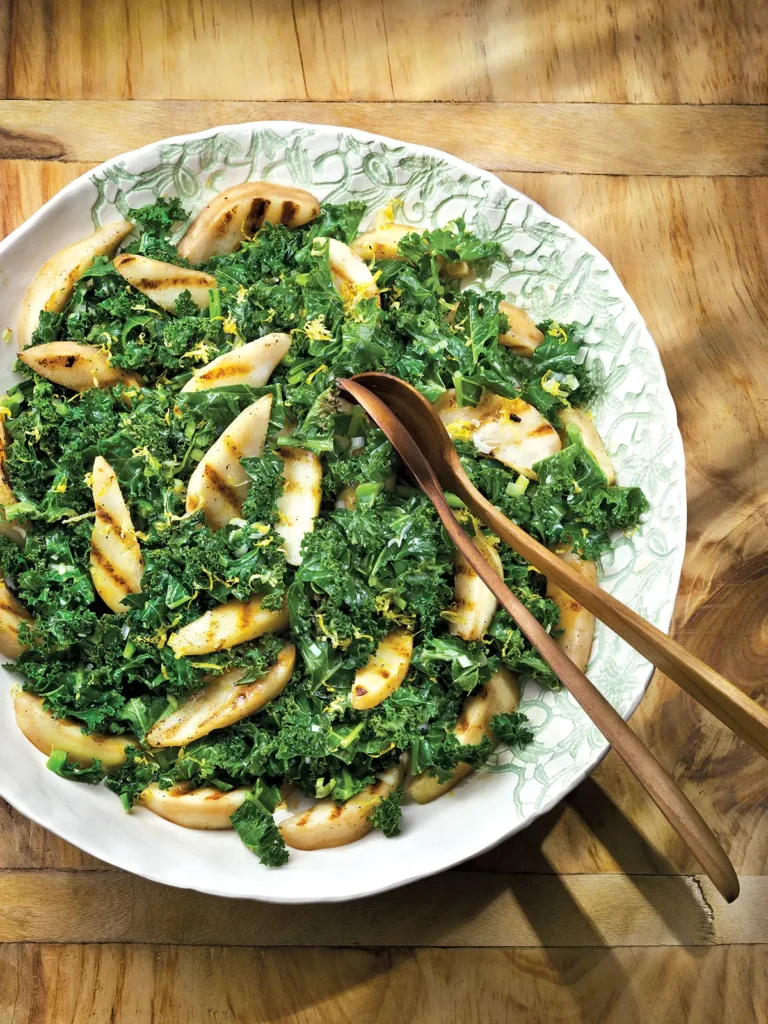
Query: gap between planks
[573, 138]
[451, 910]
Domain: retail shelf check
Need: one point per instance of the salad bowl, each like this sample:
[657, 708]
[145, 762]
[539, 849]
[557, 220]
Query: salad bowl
[550, 270]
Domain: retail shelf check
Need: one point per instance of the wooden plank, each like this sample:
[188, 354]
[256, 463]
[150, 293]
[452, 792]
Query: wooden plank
[636, 51]
[128, 985]
[588, 138]
[454, 909]
[690, 252]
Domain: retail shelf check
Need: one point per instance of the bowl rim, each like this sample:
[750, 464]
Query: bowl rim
[448, 860]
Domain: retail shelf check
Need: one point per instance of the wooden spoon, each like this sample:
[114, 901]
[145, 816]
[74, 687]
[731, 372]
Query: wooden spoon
[674, 805]
[725, 701]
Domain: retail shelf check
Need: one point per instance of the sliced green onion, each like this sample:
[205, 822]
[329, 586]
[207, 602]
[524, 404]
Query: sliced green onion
[56, 760]
[518, 487]
[214, 303]
[453, 500]
[368, 491]
[458, 383]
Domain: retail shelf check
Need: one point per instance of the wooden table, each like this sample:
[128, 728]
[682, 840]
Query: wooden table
[644, 125]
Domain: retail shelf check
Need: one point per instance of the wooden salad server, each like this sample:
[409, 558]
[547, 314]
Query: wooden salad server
[671, 801]
[732, 706]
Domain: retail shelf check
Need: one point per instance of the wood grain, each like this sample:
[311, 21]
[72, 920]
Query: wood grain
[589, 138]
[457, 908]
[544, 86]
[633, 51]
[135, 985]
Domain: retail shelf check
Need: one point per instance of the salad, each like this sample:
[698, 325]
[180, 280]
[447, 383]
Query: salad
[220, 591]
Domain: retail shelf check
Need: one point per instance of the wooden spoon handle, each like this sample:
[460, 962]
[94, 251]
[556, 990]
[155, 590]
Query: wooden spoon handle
[724, 700]
[668, 797]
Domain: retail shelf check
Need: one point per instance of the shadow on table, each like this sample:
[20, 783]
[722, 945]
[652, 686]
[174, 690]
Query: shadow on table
[467, 909]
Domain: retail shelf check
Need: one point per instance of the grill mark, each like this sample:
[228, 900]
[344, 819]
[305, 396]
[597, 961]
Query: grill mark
[256, 215]
[226, 369]
[145, 284]
[288, 213]
[99, 558]
[58, 362]
[543, 428]
[222, 227]
[221, 486]
[105, 516]
[360, 690]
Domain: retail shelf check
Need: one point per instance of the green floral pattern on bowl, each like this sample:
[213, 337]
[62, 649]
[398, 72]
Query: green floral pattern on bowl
[551, 271]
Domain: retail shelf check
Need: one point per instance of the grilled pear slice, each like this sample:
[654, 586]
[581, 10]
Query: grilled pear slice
[48, 733]
[577, 623]
[352, 278]
[74, 366]
[222, 702]
[239, 212]
[499, 695]
[12, 614]
[52, 287]
[251, 364]
[6, 494]
[592, 441]
[299, 504]
[116, 562]
[164, 282]
[522, 335]
[232, 623]
[219, 483]
[205, 808]
[474, 604]
[329, 824]
[508, 429]
[386, 669]
[13, 531]
[381, 243]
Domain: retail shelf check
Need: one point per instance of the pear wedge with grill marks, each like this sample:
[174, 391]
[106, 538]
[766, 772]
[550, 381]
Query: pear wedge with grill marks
[222, 702]
[522, 335]
[501, 694]
[508, 429]
[577, 623]
[351, 276]
[239, 212]
[53, 285]
[75, 366]
[251, 364]
[164, 282]
[232, 623]
[381, 243]
[474, 604]
[299, 504]
[206, 808]
[328, 824]
[13, 531]
[12, 614]
[594, 444]
[48, 733]
[219, 484]
[116, 562]
[386, 669]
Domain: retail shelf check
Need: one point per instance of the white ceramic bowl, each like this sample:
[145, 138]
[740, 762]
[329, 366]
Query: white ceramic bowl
[554, 272]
